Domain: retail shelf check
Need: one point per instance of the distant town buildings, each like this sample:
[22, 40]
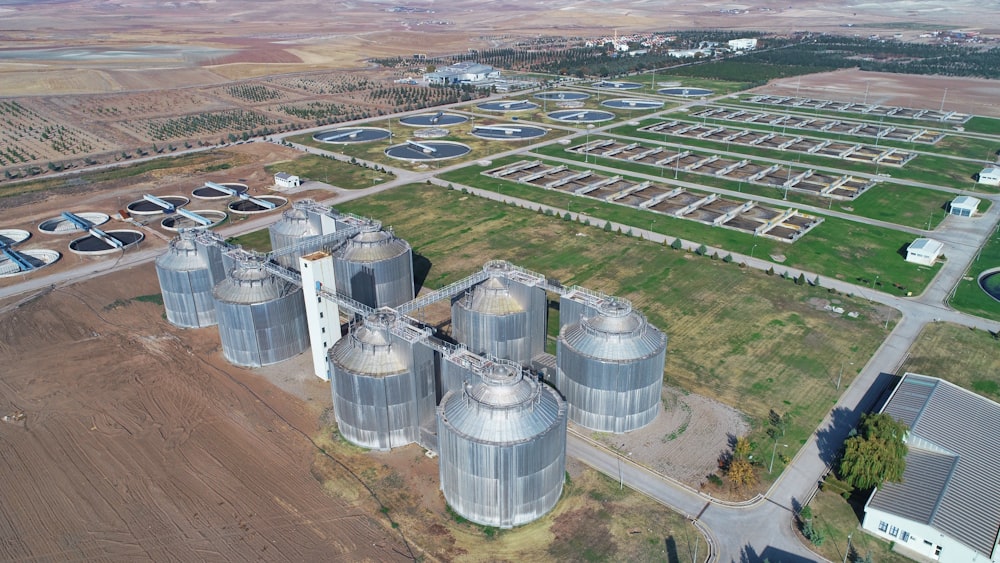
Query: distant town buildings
[462, 73]
[947, 508]
[743, 44]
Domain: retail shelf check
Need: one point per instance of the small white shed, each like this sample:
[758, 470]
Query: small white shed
[990, 176]
[286, 180]
[924, 251]
[964, 206]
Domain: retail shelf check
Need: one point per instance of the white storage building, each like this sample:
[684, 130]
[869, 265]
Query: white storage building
[990, 176]
[924, 251]
[286, 180]
[964, 206]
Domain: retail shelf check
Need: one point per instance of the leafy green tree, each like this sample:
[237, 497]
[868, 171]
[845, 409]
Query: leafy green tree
[677, 244]
[877, 454]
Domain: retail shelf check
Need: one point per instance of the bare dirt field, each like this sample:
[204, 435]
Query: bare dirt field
[141, 443]
[965, 95]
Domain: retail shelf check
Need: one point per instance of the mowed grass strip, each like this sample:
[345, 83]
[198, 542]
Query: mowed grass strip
[753, 341]
[968, 358]
[971, 298]
[330, 171]
[838, 248]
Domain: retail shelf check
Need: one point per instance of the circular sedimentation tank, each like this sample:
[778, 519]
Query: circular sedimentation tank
[247, 207]
[427, 150]
[507, 132]
[348, 135]
[562, 96]
[144, 207]
[375, 267]
[95, 246]
[178, 222]
[381, 385]
[510, 105]
[581, 116]
[632, 103]
[38, 258]
[610, 368]
[609, 85]
[262, 318]
[10, 237]
[685, 92]
[989, 282]
[433, 120]
[502, 449]
[61, 226]
[207, 192]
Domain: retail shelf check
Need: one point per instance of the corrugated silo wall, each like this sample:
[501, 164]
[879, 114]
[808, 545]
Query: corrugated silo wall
[187, 297]
[517, 336]
[502, 485]
[571, 311]
[454, 376]
[385, 283]
[281, 241]
[425, 368]
[282, 331]
[610, 396]
[535, 303]
[213, 256]
[261, 334]
[385, 412]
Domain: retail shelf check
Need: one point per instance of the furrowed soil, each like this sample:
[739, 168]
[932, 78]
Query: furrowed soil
[140, 442]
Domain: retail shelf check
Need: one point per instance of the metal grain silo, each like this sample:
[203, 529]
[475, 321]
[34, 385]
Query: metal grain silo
[611, 368]
[187, 278]
[262, 318]
[462, 365]
[383, 383]
[502, 318]
[375, 267]
[294, 228]
[502, 449]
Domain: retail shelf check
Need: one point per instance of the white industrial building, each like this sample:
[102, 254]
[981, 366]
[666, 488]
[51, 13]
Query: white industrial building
[462, 73]
[924, 251]
[948, 506]
[743, 44]
[964, 206]
[990, 176]
[286, 180]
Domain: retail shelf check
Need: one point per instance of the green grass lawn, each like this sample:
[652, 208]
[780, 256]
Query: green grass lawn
[753, 341]
[837, 518]
[330, 171]
[256, 240]
[968, 358]
[969, 297]
[837, 248]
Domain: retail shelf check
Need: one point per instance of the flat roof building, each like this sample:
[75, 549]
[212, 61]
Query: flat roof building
[948, 506]
[924, 251]
[964, 206]
[990, 176]
[462, 73]
[286, 180]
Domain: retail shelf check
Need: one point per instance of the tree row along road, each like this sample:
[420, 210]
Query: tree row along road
[738, 533]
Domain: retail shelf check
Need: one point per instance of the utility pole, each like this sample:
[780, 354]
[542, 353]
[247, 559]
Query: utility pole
[848, 552]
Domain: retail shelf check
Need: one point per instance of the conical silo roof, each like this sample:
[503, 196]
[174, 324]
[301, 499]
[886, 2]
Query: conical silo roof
[368, 350]
[615, 333]
[372, 245]
[250, 283]
[294, 223]
[503, 408]
[182, 255]
[492, 297]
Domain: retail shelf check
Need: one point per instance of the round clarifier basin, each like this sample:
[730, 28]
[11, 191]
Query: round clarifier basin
[561, 96]
[145, 207]
[627, 103]
[206, 192]
[511, 105]
[427, 150]
[607, 85]
[433, 120]
[10, 237]
[685, 92]
[177, 222]
[507, 132]
[989, 281]
[60, 226]
[37, 258]
[581, 116]
[91, 245]
[345, 135]
[247, 207]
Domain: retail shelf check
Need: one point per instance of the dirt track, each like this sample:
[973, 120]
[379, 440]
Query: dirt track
[142, 443]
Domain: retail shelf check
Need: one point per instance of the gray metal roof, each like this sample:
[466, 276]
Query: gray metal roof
[182, 256]
[250, 283]
[492, 297]
[294, 222]
[616, 333]
[369, 349]
[372, 245]
[953, 466]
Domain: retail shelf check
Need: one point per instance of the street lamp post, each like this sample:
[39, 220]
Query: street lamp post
[773, 451]
[752, 248]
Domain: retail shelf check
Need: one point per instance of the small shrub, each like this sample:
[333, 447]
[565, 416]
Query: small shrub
[677, 244]
[728, 258]
[702, 250]
[714, 479]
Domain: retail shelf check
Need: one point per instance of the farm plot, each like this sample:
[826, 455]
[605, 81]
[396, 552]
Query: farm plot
[200, 125]
[140, 105]
[28, 136]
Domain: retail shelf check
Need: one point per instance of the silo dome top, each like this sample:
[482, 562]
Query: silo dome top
[182, 255]
[369, 349]
[294, 222]
[492, 297]
[250, 283]
[615, 333]
[505, 407]
[372, 245]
